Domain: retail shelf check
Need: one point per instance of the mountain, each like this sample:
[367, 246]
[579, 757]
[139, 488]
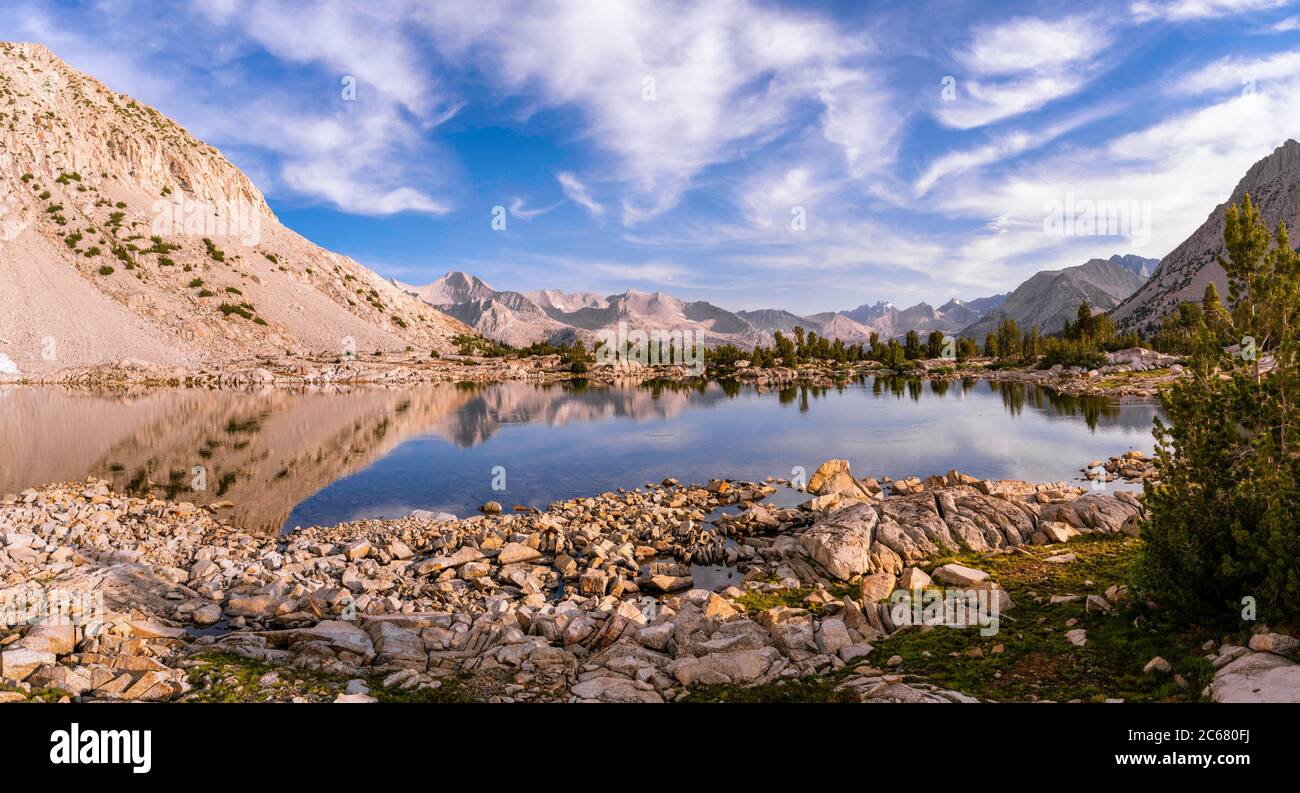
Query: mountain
[123, 236]
[520, 318]
[1050, 297]
[889, 321]
[510, 317]
[553, 300]
[1274, 187]
[1140, 266]
[866, 314]
[771, 320]
[983, 305]
[453, 287]
[835, 325]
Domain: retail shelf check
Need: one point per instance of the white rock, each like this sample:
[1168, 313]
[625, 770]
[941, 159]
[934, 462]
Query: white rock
[1257, 677]
[959, 575]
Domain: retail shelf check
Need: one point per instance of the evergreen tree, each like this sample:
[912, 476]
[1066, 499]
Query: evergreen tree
[1221, 524]
[912, 346]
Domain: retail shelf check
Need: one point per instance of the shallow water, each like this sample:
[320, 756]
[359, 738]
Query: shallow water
[284, 459]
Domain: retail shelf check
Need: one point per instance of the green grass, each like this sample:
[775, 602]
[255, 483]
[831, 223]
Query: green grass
[815, 688]
[227, 677]
[1037, 662]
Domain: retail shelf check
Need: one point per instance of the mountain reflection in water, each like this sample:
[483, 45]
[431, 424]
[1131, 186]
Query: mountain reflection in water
[284, 458]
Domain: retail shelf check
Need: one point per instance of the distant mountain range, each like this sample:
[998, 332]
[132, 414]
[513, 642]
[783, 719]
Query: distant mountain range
[1050, 297]
[1274, 187]
[522, 318]
[1135, 290]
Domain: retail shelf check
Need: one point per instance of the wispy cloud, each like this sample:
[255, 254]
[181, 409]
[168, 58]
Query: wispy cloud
[1004, 147]
[578, 193]
[1179, 10]
[1021, 65]
[520, 210]
[670, 89]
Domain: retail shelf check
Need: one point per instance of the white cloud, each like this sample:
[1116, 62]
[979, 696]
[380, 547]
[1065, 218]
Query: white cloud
[1180, 10]
[1029, 44]
[1183, 166]
[1003, 147]
[365, 162]
[520, 210]
[670, 89]
[1242, 74]
[578, 193]
[1021, 65]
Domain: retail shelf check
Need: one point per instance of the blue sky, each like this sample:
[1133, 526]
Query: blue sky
[677, 145]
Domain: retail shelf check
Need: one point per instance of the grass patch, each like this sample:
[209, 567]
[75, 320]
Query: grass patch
[226, 677]
[815, 688]
[1037, 662]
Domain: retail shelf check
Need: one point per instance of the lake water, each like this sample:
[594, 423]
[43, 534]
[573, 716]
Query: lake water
[284, 458]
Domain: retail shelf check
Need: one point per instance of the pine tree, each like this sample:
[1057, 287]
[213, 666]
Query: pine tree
[1222, 523]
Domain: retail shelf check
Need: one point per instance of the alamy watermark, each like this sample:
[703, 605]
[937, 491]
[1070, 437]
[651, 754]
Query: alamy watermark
[948, 607]
[683, 348]
[1084, 217]
[32, 605]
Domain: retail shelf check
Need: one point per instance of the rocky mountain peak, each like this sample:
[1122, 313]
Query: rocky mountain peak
[1274, 187]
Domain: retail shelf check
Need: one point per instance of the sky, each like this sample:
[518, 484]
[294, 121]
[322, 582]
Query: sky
[807, 156]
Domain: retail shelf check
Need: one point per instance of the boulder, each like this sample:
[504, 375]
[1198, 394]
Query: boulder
[959, 575]
[841, 542]
[1257, 677]
[1277, 643]
[876, 587]
[19, 663]
[914, 578]
[834, 477]
[513, 552]
[740, 666]
[615, 689]
[1105, 512]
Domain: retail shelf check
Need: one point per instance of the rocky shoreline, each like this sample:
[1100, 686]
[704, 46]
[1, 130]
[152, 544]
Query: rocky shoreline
[1132, 373]
[593, 599]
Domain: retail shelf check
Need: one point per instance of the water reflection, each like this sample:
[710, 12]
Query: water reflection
[275, 457]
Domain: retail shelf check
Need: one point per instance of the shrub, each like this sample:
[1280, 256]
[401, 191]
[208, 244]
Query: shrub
[213, 251]
[196, 283]
[240, 310]
[106, 270]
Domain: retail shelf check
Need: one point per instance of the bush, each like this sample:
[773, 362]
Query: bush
[240, 310]
[106, 270]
